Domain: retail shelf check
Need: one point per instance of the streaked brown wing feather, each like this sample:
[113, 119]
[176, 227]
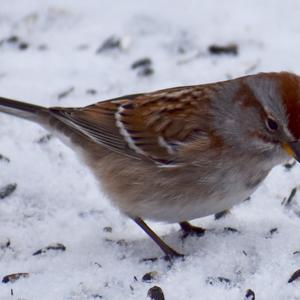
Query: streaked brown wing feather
[95, 123]
[154, 125]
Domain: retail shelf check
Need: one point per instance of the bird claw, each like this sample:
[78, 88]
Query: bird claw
[190, 230]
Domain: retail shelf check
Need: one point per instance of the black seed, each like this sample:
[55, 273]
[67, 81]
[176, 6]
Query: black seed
[216, 280]
[7, 190]
[249, 295]
[14, 277]
[56, 247]
[98, 265]
[149, 277]
[231, 229]
[23, 46]
[12, 39]
[291, 197]
[65, 93]
[271, 232]
[149, 259]
[295, 276]
[143, 62]
[96, 296]
[5, 244]
[221, 214]
[109, 44]
[107, 229]
[290, 165]
[156, 293]
[4, 158]
[218, 50]
[44, 139]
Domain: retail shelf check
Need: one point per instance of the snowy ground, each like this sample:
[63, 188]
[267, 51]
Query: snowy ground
[53, 61]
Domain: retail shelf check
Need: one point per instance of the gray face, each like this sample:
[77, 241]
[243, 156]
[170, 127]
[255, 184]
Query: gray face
[252, 116]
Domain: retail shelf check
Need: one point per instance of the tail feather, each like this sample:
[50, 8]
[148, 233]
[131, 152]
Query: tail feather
[21, 109]
[44, 117]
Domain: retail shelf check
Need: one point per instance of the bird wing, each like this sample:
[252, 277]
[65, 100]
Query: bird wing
[155, 125]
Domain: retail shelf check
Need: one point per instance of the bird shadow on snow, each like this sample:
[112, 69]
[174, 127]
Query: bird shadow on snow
[144, 249]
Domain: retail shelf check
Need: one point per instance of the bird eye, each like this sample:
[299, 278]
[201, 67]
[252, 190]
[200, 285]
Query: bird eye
[272, 124]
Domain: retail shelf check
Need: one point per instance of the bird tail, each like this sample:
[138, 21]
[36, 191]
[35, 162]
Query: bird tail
[23, 110]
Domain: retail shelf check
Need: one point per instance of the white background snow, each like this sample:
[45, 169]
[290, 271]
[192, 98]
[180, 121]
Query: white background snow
[58, 201]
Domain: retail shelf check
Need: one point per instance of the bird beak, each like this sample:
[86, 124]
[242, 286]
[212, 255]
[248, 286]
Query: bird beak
[293, 149]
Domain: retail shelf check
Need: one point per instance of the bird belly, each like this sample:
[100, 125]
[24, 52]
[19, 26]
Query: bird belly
[188, 209]
[200, 199]
[173, 195]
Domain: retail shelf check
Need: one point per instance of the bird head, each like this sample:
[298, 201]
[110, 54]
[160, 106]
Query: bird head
[262, 114]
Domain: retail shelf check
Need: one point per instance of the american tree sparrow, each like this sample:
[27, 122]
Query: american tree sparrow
[182, 153]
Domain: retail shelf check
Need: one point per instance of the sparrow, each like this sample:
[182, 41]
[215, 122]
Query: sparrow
[182, 153]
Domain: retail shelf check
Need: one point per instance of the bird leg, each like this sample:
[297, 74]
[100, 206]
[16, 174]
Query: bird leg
[189, 229]
[168, 251]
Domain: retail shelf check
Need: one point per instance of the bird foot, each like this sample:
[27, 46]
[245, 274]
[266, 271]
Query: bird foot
[174, 256]
[190, 230]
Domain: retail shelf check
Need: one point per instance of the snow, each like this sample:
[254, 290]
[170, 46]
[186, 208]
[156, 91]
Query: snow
[57, 199]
